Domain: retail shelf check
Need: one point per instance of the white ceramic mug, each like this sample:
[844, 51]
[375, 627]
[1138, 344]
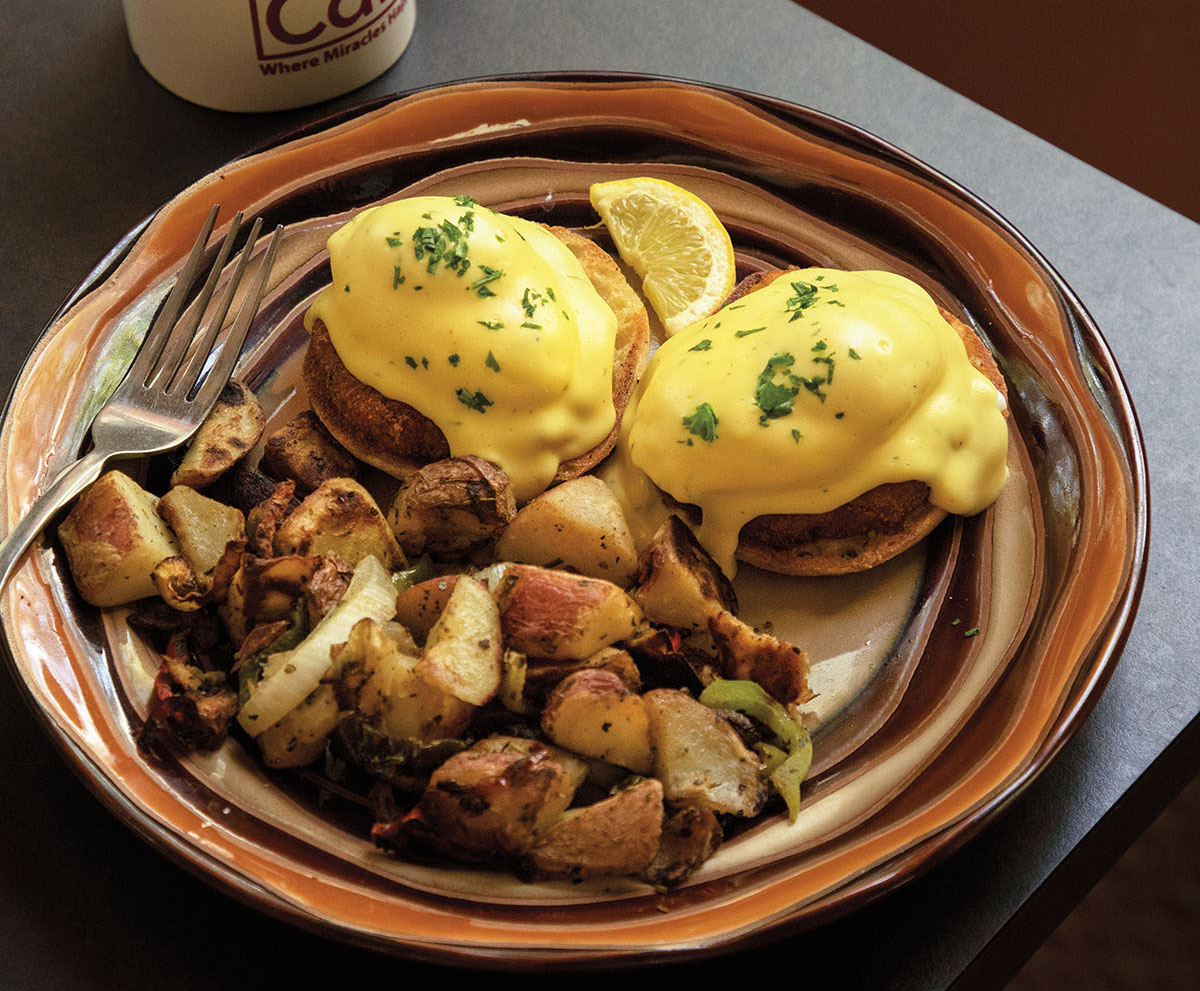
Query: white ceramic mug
[256, 55]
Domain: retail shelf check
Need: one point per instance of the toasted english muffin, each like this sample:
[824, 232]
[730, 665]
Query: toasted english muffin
[870, 529]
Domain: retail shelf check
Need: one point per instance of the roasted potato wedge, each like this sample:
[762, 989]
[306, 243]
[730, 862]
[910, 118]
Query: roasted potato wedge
[699, 757]
[378, 681]
[113, 538]
[677, 583]
[690, 835]
[484, 804]
[542, 676]
[299, 738]
[780, 667]
[578, 525]
[449, 508]
[562, 616]
[341, 518]
[227, 433]
[616, 836]
[576, 768]
[264, 517]
[419, 606]
[304, 451]
[462, 652]
[592, 713]
[202, 526]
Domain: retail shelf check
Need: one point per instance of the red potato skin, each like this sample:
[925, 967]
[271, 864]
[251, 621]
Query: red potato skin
[419, 606]
[541, 610]
[483, 805]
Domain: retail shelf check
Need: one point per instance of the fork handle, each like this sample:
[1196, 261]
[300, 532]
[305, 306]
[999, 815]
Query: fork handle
[70, 482]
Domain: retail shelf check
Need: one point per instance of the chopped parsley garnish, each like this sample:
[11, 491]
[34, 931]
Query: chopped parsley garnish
[972, 632]
[491, 324]
[854, 354]
[490, 274]
[747, 333]
[806, 295]
[774, 398]
[397, 278]
[796, 436]
[465, 200]
[532, 326]
[444, 244]
[702, 423]
[703, 345]
[454, 359]
[473, 400]
[410, 361]
[492, 363]
[821, 358]
[393, 241]
[531, 299]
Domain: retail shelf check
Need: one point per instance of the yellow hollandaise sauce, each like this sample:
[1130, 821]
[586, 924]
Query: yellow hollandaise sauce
[485, 323]
[803, 395]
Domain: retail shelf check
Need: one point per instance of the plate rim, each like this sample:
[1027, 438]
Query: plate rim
[1096, 666]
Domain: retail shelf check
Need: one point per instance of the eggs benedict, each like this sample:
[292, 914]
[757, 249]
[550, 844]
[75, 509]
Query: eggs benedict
[450, 330]
[819, 423]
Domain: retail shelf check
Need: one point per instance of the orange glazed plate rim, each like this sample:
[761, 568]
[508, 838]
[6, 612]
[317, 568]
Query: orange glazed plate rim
[794, 186]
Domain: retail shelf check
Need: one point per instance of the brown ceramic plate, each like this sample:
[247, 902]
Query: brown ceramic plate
[947, 679]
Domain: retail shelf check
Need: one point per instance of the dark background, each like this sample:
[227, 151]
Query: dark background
[1114, 82]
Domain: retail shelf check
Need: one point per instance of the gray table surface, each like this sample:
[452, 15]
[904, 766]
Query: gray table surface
[93, 145]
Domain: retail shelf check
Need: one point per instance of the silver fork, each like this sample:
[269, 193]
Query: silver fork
[166, 394]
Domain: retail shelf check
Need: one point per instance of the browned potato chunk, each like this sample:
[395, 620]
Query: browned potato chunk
[340, 518]
[690, 835]
[419, 606]
[780, 667]
[227, 433]
[462, 652]
[699, 757]
[677, 583]
[482, 804]
[578, 524]
[202, 526]
[299, 738]
[113, 538]
[264, 517]
[562, 616]
[304, 451]
[378, 679]
[592, 713]
[451, 507]
[513, 671]
[575, 767]
[615, 836]
[540, 678]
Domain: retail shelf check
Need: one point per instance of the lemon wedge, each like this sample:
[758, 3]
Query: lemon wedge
[674, 241]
